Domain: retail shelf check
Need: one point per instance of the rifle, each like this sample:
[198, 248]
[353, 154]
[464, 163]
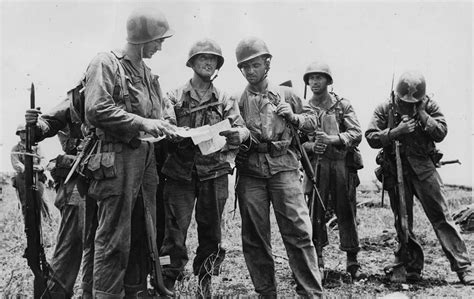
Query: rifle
[156, 275]
[399, 269]
[441, 163]
[390, 125]
[306, 163]
[34, 244]
[308, 169]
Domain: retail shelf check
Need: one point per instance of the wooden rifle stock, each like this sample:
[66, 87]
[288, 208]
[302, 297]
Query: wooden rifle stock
[34, 244]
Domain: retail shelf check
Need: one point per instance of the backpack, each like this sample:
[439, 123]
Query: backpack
[77, 98]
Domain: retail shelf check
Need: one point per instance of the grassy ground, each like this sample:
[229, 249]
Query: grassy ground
[377, 238]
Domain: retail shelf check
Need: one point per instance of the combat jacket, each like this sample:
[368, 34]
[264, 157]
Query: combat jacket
[105, 106]
[18, 160]
[271, 149]
[416, 147]
[189, 111]
[338, 118]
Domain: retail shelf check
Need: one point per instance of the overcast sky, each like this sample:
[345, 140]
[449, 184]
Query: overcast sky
[50, 43]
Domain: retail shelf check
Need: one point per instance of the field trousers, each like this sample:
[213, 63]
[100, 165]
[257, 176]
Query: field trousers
[180, 197]
[71, 239]
[284, 191]
[337, 190]
[120, 247]
[430, 194]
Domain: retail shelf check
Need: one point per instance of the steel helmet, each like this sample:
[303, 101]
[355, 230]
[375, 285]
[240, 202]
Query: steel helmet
[206, 46]
[249, 48]
[411, 87]
[317, 67]
[19, 128]
[146, 25]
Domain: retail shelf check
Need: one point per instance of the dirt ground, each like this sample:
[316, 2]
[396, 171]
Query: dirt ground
[376, 233]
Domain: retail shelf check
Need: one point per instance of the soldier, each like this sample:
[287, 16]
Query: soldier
[194, 179]
[18, 163]
[77, 209]
[416, 121]
[124, 168]
[268, 173]
[329, 147]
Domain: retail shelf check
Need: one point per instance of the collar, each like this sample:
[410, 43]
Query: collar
[120, 54]
[271, 88]
[188, 88]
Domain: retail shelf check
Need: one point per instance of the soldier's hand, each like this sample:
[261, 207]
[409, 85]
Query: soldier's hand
[233, 136]
[319, 148]
[421, 109]
[168, 129]
[157, 127]
[284, 109]
[406, 126]
[38, 168]
[31, 115]
[322, 137]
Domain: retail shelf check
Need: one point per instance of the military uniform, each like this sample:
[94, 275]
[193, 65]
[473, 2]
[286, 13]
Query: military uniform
[77, 209]
[120, 242]
[268, 173]
[421, 179]
[192, 177]
[18, 164]
[336, 184]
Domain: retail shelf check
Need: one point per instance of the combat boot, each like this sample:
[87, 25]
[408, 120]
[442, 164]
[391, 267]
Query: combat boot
[353, 267]
[204, 286]
[466, 277]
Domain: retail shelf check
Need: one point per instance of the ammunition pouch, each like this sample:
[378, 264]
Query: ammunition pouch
[385, 172]
[62, 168]
[99, 163]
[354, 159]
[436, 155]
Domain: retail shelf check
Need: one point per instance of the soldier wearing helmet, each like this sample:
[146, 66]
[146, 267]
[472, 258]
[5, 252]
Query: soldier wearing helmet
[194, 179]
[76, 229]
[416, 121]
[124, 107]
[17, 158]
[332, 148]
[268, 172]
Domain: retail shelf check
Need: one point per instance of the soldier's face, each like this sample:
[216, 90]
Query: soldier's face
[205, 65]
[318, 83]
[255, 69]
[22, 135]
[150, 48]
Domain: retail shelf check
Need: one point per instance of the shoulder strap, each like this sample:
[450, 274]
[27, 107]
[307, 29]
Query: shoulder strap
[123, 81]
